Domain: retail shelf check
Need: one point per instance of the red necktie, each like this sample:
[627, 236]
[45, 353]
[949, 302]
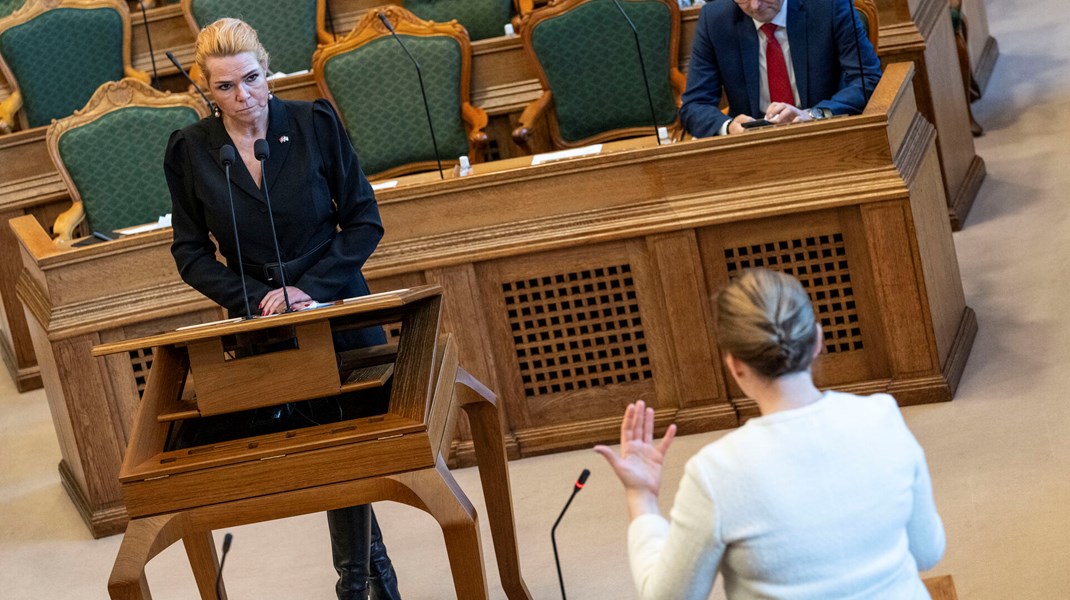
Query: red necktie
[776, 69]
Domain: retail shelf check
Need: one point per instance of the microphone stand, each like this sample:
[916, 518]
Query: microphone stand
[858, 52]
[553, 530]
[642, 68]
[178, 65]
[148, 38]
[226, 156]
[260, 149]
[423, 91]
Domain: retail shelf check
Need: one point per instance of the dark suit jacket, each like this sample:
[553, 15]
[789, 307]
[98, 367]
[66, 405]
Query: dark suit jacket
[824, 55]
[316, 188]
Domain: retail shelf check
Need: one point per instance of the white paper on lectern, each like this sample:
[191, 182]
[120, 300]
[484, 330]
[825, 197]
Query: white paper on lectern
[546, 157]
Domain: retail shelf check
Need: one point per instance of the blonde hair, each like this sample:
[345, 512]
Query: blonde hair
[765, 319]
[227, 37]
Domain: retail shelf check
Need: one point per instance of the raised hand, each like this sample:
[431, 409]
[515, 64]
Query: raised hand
[640, 461]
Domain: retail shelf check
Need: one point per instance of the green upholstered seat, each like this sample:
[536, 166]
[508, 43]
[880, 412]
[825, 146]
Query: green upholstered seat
[60, 57]
[376, 91]
[589, 59]
[9, 6]
[288, 29]
[482, 18]
[115, 164]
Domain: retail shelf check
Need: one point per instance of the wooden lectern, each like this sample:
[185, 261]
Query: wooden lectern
[388, 438]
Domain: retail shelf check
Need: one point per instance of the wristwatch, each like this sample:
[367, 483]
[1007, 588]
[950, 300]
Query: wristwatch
[817, 113]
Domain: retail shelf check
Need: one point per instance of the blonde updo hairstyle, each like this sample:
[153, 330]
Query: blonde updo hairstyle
[765, 319]
[227, 37]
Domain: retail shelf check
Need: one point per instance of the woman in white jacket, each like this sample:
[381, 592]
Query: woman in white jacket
[825, 496]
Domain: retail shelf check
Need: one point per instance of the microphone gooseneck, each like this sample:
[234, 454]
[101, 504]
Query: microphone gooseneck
[226, 156]
[227, 539]
[553, 531]
[423, 90]
[262, 152]
[642, 69]
[858, 53]
[148, 38]
[178, 65]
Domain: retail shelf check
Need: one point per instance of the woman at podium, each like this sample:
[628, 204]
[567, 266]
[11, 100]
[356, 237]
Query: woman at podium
[825, 495]
[322, 225]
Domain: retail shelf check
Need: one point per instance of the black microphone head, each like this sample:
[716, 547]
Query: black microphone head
[226, 156]
[261, 150]
[173, 60]
[382, 17]
[227, 539]
[583, 478]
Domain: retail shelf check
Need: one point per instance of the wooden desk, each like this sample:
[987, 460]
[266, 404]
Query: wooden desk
[920, 31]
[578, 286]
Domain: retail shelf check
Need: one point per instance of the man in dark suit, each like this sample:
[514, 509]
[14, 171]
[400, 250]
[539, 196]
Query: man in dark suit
[783, 60]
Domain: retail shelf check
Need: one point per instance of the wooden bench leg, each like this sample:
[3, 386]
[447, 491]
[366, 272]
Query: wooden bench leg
[480, 405]
[200, 549]
[445, 501]
[144, 539]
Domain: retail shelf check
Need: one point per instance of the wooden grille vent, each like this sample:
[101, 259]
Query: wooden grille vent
[574, 331]
[141, 362]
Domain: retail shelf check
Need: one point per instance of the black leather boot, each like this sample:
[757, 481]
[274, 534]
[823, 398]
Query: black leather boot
[360, 556]
[383, 582]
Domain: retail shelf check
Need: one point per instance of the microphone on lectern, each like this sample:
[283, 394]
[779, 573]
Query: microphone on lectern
[423, 90]
[858, 53]
[226, 156]
[642, 69]
[553, 531]
[178, 65]
[262, 152]
[148, 37]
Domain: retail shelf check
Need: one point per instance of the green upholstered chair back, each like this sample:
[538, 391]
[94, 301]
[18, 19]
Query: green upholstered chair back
[482, 18]
[288, 29]
[111, 153]
[59, 57]
[375, 87]
[867, 14]
[588, 59]
[8, 6]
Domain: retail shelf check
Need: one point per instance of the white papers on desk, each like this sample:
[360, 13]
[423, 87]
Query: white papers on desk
[546, 157]
[162, 223]
[280, 75]
[385, 185]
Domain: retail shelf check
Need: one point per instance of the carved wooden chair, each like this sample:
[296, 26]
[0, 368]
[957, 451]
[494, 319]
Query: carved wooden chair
[867, 12]
[482, 18]
[590, 72]
[290, 30]
[9, 6]
[109, 155]
[55, 53]
[374, 85]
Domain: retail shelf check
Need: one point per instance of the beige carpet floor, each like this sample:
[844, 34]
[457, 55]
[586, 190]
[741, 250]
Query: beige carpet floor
[999, 453]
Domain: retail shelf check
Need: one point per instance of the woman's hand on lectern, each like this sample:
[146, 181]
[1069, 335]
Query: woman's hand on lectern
[639, 464]
[273, 302]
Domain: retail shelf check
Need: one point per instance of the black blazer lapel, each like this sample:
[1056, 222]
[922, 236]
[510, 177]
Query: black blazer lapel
[278, 139]
[748, 53]
[798, 40]
[239, 175]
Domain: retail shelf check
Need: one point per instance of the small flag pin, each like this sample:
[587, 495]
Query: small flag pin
[284, 139]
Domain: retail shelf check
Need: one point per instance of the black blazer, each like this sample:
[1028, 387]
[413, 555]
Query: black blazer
[317, 191]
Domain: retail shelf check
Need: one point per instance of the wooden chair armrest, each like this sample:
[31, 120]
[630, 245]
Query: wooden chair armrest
[679, 83]
[8, 108]
[66, 222]
[141, 76]
[476, 119]
[528, 118]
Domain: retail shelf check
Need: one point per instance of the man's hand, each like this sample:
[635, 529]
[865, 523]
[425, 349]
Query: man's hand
[273, 302]
[779, 112]
[736, 125]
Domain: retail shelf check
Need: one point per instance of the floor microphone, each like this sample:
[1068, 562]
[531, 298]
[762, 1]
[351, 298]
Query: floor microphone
[553, 531]
[858, 52]
[262, 152]
[178, 65]
[226, 156]
[148, 38]
[227, 539]
[423, 90]
[642, 68]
